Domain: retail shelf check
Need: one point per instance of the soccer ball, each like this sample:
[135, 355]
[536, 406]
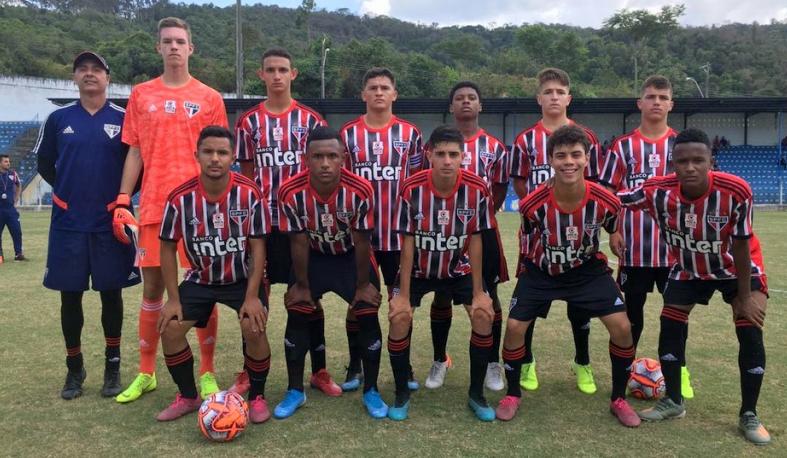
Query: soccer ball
[223, 416]
[646, 380]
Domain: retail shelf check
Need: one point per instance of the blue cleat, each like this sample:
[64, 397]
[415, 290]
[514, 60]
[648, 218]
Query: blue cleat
[482, 411]
[291, 402]
[375, 404]
[353, 381]
[399, 413]
[413, 384]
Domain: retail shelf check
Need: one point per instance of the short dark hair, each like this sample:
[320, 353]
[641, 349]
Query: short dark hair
[446, 134]
[693, 135]
[324, 133]
[375, 72]
[3, 156]
[656, 82]
[464, 84]
[216, 131]
[568, 135]
[553, 74]
[276, 52]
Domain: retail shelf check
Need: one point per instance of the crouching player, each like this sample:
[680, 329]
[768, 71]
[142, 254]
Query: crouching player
[706, 218]
[564, 263]
[221, 218]
[441, 213]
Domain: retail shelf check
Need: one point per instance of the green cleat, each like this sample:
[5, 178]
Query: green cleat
[528, 378]
[685, 383]
[665, 409]
[207, 385]
[585, 381]
[142, 384]
[752, 429]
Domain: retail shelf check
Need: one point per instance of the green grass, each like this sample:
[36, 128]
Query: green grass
[555, 420]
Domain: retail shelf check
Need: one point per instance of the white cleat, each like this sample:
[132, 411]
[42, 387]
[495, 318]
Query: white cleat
[436, 375]
[494, 377]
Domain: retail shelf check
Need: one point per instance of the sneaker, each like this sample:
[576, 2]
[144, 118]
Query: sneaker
[481, 409]
[179, 407]
[321, 380]
[291, 402]
[665, 409]
[507, 408]
[621, 409]
[494, 377]
[399, 411]
[436, 376]
[20, 257]
[111, 386]
[585, 381]
[752, 429]
[412, 383]
[353, 380]
[685, 383]
[258, 410]
[72, 389]
[528, 378]
[374, 404]
[142, 384]
[207, 385]
[242, 384]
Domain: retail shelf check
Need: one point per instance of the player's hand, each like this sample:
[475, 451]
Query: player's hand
[367, 293]
[171, 310]
[298, 295]
[745, 307]
[399, 304]
[616, 244]
[122, 219]
[253, 309]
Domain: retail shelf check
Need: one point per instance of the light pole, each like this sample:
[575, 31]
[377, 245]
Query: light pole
[322, 68]
[688, 78]
[706, 69]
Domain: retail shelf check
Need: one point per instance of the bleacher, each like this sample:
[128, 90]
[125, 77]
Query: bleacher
[759, 165]
[17, 139]
[9, 130]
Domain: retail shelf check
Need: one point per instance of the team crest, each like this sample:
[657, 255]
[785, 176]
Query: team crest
[443, 217]
[717, 221]
[299, 132]
[239, 216]
[401, 147]
[690, 219]
[465, 214]
[326, 219]
[218, 220]
[378, 148]
[591, 228]
[111, 130]
[486, 157]
[344, 216]
[512, 304]
[191, 108]
[169, 106]
[572, 233]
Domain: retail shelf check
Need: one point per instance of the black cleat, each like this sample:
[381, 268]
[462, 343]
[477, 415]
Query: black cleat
[111, 386]
[73, 387]
[20, 257]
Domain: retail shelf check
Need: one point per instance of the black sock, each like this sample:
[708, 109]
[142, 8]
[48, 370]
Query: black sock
[751, 362]
[580, 327]
[317, 339]
[352, 342]
[370, 340]
[71, 321]
[480, 346]
[181, 367]
[621, 359]
[635, 310]
[112, 322]
[399, 353]
[512, 363]
[685, 341]
[296, 344]
[528, 358]
[671, 348]
[441, 325]
[258, 374]
[497, 330]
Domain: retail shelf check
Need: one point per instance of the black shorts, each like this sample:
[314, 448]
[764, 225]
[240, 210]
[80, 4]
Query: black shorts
[277, 251]
[198, 300]
[389, 265]
[638, 280]
[690, 292]
[495, 268]
[457, 289]
[335, 273]
[589, 287]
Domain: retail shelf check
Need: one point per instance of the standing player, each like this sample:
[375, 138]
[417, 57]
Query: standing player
[529, 168]
[10, 193]
[80, 154]
[639, 245]
[328, 213]
[564, 263]
[164, 117]
[441, 214]
[271, 140]
[221, 218]
[383, 149]
[706, 220]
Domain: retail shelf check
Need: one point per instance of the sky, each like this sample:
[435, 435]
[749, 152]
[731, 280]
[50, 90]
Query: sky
[499, 12]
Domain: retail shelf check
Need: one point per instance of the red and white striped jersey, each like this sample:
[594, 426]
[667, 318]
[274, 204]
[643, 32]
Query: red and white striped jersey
[328, 223]
[275, 142]
[699, 232]
[633, 159]
[215, 233]
[561, 241]
[384, 157]
[442, 225]
[486, 156]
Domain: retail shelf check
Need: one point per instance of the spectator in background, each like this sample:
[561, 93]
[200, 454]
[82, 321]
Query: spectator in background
[716, 143]
[10, 192]
[724, 142]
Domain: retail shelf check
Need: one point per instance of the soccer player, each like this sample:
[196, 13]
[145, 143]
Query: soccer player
[383, 149]
[706, 220]
[529, 168]
[80, 154]
[10, 193]
[164, 117]
[486, 156]
[328, 213]
[271, 141]
[564, 263]
[632, 159]
[221, 217]
[441, 214]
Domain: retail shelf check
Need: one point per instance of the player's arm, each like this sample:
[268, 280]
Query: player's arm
[520, 186]
[743, 304]
[169, 272]
[252, 305]
[299, 292]
[45, 150]
[499, 192]
[247, 169]
[400, 301]
[121, 214]
[481, 300]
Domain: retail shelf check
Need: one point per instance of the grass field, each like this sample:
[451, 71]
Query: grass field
[555, 420]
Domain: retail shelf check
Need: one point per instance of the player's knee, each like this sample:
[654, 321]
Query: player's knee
[173, 331]
[515, 327]
[400, 319]
[482, 317]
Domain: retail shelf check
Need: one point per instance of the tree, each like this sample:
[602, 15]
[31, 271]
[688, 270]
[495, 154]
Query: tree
[302, 14]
